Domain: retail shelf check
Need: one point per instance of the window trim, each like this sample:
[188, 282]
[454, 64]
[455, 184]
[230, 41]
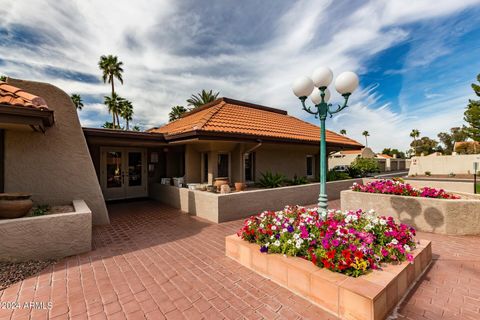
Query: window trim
[306, 166]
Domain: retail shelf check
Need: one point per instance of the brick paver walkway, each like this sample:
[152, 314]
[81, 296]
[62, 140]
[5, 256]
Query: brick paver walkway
[154, 262]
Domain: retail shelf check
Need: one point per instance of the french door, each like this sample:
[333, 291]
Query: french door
[123, 173]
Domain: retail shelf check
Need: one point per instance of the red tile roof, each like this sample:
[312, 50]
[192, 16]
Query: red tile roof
[386, 156]
[14, 96]
[232, 117]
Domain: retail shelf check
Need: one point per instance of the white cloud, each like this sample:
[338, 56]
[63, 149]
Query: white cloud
[171, 50]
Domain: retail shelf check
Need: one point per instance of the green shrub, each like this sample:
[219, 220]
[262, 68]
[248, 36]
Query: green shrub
[335, 175]
[354, 172]
[41, 210]
[298, 181]
[365, 166]
[271, 180]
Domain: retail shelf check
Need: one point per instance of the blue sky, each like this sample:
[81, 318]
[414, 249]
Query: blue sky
[415, 61]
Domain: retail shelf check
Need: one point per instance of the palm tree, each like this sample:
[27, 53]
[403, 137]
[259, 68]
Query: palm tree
[343, 131]
[176, 113]
[77, 101]
[202, 98]
[112, 104]
[366, 134]
[415, 134]
[126, 111]
[111, 68]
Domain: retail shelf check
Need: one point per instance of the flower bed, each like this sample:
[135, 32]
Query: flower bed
[349, 242]
[400, 188]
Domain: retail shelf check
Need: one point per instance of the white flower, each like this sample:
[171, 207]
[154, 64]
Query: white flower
[375, 221]
[276, 243]
[284, 230]
[272, 237]
[296, 236]
[406, 247]
[394, 241]
[368, 227]
[274, 228]
[289, 241]
[383, 222]
[267, 244]
[291, 220]
[262, 225]
[298, 245]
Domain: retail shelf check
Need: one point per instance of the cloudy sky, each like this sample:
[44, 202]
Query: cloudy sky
[415, 60]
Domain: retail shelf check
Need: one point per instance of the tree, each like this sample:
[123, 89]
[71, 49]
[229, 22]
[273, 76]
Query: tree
[343, 131]
[107, 125]
[472, 114]
[425, 145]
[202, 98]
[448, 139]
[391, 152]
[415, 134]
[366, 134]
[77, 101]
[113, 106]
[176, 113]
[112, 69]
[3, 78]
[126, 111]
[365, 166]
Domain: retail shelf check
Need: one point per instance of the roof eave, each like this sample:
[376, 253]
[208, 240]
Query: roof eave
[213, 135]
[26, 115]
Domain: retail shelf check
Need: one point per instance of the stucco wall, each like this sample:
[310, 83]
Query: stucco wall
[47, 237]
[458, 164]
[285, 159]
[232, 206]
[54, 167]
[457, 217]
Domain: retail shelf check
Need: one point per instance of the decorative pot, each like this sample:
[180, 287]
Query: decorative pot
[240, 186]
[14, 205]
[220, 182]
[225, 188]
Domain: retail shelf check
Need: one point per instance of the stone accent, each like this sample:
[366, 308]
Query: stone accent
[371, 296]
[455, 217]
[47, 237]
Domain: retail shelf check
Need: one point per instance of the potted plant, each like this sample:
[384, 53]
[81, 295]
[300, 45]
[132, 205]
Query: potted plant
[14, 205]
[219, 182]
[240, 186]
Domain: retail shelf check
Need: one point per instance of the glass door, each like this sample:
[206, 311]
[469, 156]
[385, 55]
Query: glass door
[136, 173]
[123, 173]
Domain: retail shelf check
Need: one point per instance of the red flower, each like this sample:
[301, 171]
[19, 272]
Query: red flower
[331, 254]
[346, 253]
[358, 254]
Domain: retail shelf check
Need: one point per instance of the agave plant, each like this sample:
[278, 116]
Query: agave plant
[271, 180]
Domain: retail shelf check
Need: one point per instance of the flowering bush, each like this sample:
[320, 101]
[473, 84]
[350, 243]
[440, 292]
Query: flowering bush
[400, 188]
[350, 242]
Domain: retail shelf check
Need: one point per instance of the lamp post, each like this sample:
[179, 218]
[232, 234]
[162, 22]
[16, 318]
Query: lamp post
[317, 88]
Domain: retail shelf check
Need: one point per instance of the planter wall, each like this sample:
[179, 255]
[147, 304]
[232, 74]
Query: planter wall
[47, 237]
[237, 205]
[456, 217]
[371, 296]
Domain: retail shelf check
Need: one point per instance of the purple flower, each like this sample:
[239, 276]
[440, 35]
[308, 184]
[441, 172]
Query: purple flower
[335, 243]
[263, 249]
[290, 229]
[277, 235]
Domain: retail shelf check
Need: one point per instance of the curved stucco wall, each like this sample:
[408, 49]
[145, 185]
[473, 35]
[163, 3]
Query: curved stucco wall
[54, 167]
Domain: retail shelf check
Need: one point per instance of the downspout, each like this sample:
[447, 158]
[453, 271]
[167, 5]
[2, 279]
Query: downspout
[242, 164]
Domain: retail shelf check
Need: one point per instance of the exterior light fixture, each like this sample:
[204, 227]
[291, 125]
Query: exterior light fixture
[317, 88]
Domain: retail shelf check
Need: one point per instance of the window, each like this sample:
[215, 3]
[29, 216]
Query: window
[249, 164]
[205, 167]
[223, 160]
[309, 166]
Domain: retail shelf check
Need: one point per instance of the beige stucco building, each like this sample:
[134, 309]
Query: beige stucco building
[385, 162]
[45, 151]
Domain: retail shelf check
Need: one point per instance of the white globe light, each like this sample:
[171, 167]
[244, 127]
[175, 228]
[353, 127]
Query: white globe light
[322, 77]
[302, 87]
[346, 82]
[316, 96]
